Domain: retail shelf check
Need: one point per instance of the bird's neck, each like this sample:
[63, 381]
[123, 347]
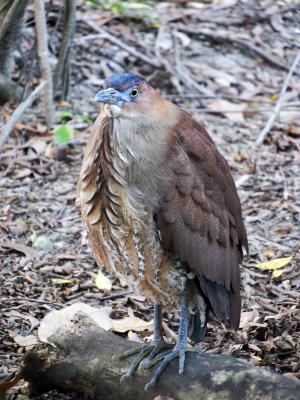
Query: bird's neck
[144, 143]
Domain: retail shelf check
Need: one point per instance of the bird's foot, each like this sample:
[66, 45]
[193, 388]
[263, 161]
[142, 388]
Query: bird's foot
[146, 354]
[166, 358]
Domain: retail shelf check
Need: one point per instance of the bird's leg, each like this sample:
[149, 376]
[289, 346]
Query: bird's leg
[150, 350]
[158, 343]
[180, 348]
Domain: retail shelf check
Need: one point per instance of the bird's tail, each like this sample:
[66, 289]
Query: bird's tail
[198, 319]
[197, 328]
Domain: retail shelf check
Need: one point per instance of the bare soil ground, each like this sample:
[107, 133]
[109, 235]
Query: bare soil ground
[226, 65]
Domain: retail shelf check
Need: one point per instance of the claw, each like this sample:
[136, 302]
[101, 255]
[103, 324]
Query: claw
[124, 378]
[143, 352]
[166, 359]
[150, 354]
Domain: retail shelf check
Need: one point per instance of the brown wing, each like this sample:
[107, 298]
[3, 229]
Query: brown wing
[200, 218]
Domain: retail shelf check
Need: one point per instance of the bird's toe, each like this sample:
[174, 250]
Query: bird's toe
[165, 359]
[149, 361]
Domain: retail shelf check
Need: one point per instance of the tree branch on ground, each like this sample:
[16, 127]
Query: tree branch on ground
[116, 41]
[81, 361]
[278, 106]
[8, 127]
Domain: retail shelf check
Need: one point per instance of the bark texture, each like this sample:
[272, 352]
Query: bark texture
[42, 46]
[82, 362]
[62, 70]
[11, 24]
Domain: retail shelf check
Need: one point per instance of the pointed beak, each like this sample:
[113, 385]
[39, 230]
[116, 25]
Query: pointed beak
[109, 96]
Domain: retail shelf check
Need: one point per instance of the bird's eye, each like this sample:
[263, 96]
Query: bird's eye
[134, 92]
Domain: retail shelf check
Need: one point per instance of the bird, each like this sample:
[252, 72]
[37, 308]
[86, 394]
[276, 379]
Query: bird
[161, 210]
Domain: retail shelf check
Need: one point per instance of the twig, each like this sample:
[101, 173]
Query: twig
[210, 15]
[281, 10]
[278, 105]
[245, 110]
[17, 114]
[184, 74]
[42, 46]
[20, 299]
[113, 39]
[167, 65]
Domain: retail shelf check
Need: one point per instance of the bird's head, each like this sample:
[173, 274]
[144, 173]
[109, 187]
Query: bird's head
[130, 96]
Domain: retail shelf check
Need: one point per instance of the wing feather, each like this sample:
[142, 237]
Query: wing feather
[200, 218]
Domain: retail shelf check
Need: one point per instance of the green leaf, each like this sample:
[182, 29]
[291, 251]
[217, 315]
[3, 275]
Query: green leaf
[93, 3]
[137, 6]
[65, 115]
[120, 6]
[85, 118]
[62, 281]
[63, 134]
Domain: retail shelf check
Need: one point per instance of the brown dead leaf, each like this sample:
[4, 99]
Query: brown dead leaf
[18, 227]
[292, 376]
[240, 157]
[232, 111]
[20, 248]
[256, 359]
[277, 273]
[269, 253]
[103, 282]
[163, 398]
[131, 323]
[33, 321]
[247, 317]
[38, 145]
[61, 320]
[272, 264]
[25, 341]
[23, 173]
[133, 337]
[10, 381]
[283, 229]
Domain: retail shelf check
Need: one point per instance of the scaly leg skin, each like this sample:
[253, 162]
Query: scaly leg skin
[179, 350]
[150, 350]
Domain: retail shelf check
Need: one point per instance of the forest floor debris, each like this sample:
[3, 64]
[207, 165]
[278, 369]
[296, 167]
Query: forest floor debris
[233, 90]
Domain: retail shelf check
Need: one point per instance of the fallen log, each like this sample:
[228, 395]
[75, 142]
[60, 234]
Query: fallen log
[82, 362]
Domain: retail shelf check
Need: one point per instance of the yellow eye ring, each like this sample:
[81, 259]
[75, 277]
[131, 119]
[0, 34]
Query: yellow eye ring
[134, 92]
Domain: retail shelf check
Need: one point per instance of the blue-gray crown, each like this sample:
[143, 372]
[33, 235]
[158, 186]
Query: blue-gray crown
[122, 82]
